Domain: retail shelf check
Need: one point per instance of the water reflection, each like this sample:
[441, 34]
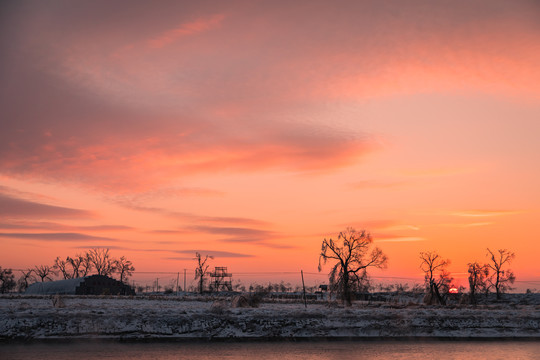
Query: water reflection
[338, 350]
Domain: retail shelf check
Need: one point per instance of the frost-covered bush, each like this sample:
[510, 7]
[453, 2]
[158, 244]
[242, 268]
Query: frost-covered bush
[218, 307]
[239, 301]
[58, 301]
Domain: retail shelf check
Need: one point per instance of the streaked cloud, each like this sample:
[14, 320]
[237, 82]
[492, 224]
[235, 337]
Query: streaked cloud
[55, 237]
[168, 232]
[383, 224]
[16, 193]
[244, 236]
[466, 225]
[486, 223]
[484, 213]
[11, 207]
[236, 233]
[35, 225]
[398, 239]
[128, 202]
[214, 253]
[186, 29]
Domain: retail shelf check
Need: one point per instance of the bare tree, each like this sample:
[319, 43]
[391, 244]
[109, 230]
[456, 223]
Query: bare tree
[436, 279]
[124, 267]
[352, 253]
[62, 266]
[81, 265]
[7, 280]
[24, 281]
[201, 270]
[101, 261]
[44, 272]
[500, 279]
[477, 280]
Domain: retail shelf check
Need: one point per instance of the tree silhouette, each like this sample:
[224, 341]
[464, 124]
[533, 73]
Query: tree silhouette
[24, 280]
[437, 279]
[500, 279]
[477, 280]
[124, 267]
[62, 266]
[44, 272]
[101, 261]
[81, 265]
[7, 280]
[352, 253]
[201, 270]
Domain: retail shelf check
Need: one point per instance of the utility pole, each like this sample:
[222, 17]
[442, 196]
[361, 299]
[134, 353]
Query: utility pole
[177, 278]
[185, 280]
[304, 287]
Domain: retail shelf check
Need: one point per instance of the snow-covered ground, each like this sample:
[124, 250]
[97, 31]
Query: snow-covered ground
[170, 317]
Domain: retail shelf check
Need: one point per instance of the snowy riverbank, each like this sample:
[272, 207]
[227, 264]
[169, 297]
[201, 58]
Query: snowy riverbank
[167, 318]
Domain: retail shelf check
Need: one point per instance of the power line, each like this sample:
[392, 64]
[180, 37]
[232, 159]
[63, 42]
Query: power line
[255, 273]
[155, 272]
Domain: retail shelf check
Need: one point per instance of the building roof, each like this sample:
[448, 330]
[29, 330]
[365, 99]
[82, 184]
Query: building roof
[63, 287]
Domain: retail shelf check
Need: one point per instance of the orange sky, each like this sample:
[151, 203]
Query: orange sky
[251, 130]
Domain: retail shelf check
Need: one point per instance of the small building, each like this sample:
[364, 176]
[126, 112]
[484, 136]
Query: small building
[322, 293]
[89, 285]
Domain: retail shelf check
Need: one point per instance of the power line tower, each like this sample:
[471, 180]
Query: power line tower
[221, 280]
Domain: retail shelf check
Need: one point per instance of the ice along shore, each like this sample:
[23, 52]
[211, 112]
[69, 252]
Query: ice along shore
[36, 318]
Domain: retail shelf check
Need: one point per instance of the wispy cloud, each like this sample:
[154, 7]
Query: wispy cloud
[134, 204]
[240, 235]
[398, 239]
[16, 193]
[486, 223]
[43, 225]
[55, 237]
[214, 253]
[466, 225]
[236, 232]
[484, 213]
[167, 193]
[190, 28]
[383, 224]
[168, 232]
[11, 207]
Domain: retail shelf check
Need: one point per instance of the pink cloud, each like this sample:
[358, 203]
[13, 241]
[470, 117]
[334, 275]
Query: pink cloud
[11, 207]
[48, 237]
[262, 93]
[190, 28]
[133, 165]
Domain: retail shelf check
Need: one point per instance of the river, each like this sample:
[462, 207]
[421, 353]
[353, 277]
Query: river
[282, 350]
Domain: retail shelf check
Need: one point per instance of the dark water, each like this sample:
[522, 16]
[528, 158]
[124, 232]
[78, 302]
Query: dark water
[338, 350]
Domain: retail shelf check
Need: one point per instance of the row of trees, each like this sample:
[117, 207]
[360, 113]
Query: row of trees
[352, 252]
[353, 255]
[96, 261]
[483, 278]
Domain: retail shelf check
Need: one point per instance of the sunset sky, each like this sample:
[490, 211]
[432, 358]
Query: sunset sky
[251, 130]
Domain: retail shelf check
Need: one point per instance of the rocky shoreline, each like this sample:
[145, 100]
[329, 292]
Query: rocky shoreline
[165, 319]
